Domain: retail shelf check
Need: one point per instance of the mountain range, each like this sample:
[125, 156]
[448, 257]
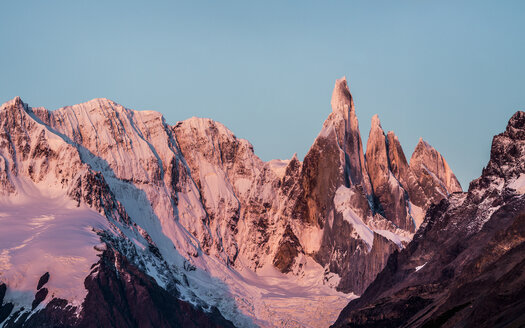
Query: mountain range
[111, 217]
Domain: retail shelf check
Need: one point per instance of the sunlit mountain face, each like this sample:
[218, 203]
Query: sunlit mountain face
[105, 209]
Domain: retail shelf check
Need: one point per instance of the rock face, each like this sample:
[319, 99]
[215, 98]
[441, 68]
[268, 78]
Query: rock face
[407, 178]
[392, 199]
[336, 158]
[465, 266]
[183, 211]
[434, 175]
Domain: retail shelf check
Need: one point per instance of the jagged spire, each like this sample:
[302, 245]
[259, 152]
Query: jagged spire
[376, 123]
[341, 97]
[388, 190]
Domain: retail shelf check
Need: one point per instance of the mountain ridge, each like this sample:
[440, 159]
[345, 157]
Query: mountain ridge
[464, 267]
[192, 206]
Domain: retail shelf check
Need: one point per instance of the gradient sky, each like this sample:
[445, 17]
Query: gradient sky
[452, 72]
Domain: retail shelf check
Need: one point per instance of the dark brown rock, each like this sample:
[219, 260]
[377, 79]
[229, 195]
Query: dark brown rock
[39, 297]
[5, 311]
[43, 280]
[319, 180]
[3, 289]
[289, 248]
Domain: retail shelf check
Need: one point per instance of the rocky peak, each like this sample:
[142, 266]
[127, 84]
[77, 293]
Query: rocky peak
[375, 123]
[342, 101]
[15, 102]
[428, 164]
[506, 167]
[376, 152]
[294, 157]
[391, 197]
[32, 150]
[102, 102]
[336, 158]
[225, 170]
[117, 135]
[396, 155]
[202, 139]
[516, 126]
[15, 109]
[345, 126]
[335, 167]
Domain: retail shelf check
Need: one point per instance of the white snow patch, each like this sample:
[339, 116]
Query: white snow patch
[342, 204]
[421, 266]
[268, 298]
[418, 214]
[397, 239]
[243, 185]
[278, 166]
[311, 238]
[42, 230]
[518, 184]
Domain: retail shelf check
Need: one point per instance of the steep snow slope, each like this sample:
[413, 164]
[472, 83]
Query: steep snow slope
[45, 231]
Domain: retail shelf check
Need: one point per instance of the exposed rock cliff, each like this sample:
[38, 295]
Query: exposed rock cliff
[392, 199]
[465, 266]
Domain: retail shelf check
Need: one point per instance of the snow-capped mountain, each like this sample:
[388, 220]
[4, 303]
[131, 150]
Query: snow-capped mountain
[465, 266]
[104, 210]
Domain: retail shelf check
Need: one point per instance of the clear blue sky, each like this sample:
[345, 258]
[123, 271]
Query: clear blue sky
[452, 72]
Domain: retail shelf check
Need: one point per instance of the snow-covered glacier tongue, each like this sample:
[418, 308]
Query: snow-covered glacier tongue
[112, 217]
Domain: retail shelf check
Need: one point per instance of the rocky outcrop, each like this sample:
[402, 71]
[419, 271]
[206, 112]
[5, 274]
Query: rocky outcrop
[43, 280]
[465, 265]
[289, 248]
[336, 164]
[7, 307]
[336, 158]
[407, 178]
[343, 105]
[433, 173]
[334, 161]
[6, 186]
[403, 192]
[392, 199]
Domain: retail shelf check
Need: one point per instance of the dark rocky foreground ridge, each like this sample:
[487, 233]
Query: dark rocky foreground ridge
[119, 295]
[466, 265]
